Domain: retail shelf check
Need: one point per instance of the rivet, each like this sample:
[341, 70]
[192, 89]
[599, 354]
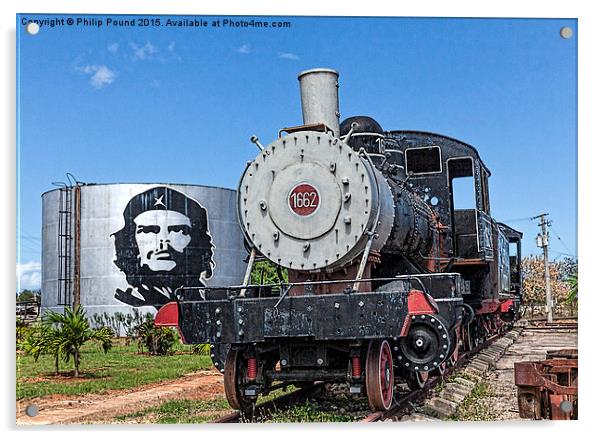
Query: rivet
[240, 321]
[360, 304]
[423, 317]
[337, 306]
[283, 362]
[218, 322]
[263, 205]
[306, 246]
[217, 310]
[320, 361]
[216, 363]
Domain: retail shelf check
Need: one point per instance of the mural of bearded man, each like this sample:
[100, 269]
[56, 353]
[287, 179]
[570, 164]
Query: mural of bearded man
[164, 245]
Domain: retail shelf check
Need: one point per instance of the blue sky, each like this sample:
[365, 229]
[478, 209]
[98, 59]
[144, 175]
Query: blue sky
[179, 104]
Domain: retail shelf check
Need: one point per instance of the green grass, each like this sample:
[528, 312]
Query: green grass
[476, 406]
[309, 412]
[123, 367]
[180, 411]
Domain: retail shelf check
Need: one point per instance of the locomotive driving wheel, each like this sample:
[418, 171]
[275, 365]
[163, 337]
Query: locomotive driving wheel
[417, 380]
[455, 345]
[379, 375]
[235, 371]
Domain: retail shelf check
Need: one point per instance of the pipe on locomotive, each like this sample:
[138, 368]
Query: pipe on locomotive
[320, 98]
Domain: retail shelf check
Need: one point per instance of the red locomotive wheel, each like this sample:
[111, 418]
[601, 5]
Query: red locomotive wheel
[441, 369]
[379, 375]
[453, 357]
[234, 374]
[417, 380]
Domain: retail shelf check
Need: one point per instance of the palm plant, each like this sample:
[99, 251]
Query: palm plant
[573, 291]
[71, 330]
[40, 339]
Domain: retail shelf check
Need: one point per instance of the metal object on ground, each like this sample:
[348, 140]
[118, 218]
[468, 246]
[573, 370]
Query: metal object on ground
[548, 389]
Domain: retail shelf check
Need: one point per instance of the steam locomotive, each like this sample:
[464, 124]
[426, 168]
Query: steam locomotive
[387, 279]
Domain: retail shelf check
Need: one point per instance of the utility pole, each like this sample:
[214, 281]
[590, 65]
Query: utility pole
[542, 242]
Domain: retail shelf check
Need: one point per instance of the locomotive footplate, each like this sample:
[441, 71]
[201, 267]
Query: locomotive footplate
[318, 317]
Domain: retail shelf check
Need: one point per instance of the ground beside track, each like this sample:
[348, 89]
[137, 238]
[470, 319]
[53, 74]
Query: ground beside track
[531, 346]
[493, 394]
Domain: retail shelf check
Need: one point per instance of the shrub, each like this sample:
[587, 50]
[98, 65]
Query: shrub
[157, 340]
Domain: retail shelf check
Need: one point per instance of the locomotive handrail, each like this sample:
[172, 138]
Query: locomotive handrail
[289, 285]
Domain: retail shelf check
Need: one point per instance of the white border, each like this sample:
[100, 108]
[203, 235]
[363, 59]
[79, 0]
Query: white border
[590, 72]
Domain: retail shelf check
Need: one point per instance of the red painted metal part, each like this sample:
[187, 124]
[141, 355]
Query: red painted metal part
[168, 315]
[420, 302]
[252, 368]
[506, 305]
[356, 367]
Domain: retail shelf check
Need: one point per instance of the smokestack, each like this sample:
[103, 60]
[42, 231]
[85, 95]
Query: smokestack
[320, 98]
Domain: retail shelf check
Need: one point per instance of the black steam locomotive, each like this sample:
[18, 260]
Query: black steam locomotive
[387, 279]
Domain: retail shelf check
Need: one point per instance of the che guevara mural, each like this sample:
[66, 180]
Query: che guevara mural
[164, 248]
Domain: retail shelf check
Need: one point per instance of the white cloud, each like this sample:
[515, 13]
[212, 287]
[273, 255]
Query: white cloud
[245, 48]
[288, 55]
[143, 52]
[113, 48]
[100, 75]
[29, 276]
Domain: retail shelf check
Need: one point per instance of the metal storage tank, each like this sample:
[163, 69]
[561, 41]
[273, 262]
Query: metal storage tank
[115, 247]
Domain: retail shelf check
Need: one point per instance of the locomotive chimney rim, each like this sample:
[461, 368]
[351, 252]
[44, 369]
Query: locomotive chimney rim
[320, 97]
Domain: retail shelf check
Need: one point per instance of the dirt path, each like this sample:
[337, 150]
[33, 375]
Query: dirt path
[530, 346]
[70, 409]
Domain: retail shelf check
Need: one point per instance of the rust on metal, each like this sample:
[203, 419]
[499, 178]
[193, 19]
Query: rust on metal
[548, 389]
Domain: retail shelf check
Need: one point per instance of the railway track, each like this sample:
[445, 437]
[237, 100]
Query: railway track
[262, 411]
[403, 404]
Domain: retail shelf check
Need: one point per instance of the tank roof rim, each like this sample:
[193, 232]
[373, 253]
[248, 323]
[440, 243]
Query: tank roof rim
[148, 184]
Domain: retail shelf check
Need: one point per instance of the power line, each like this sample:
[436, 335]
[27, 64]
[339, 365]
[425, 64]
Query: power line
[560, 239]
